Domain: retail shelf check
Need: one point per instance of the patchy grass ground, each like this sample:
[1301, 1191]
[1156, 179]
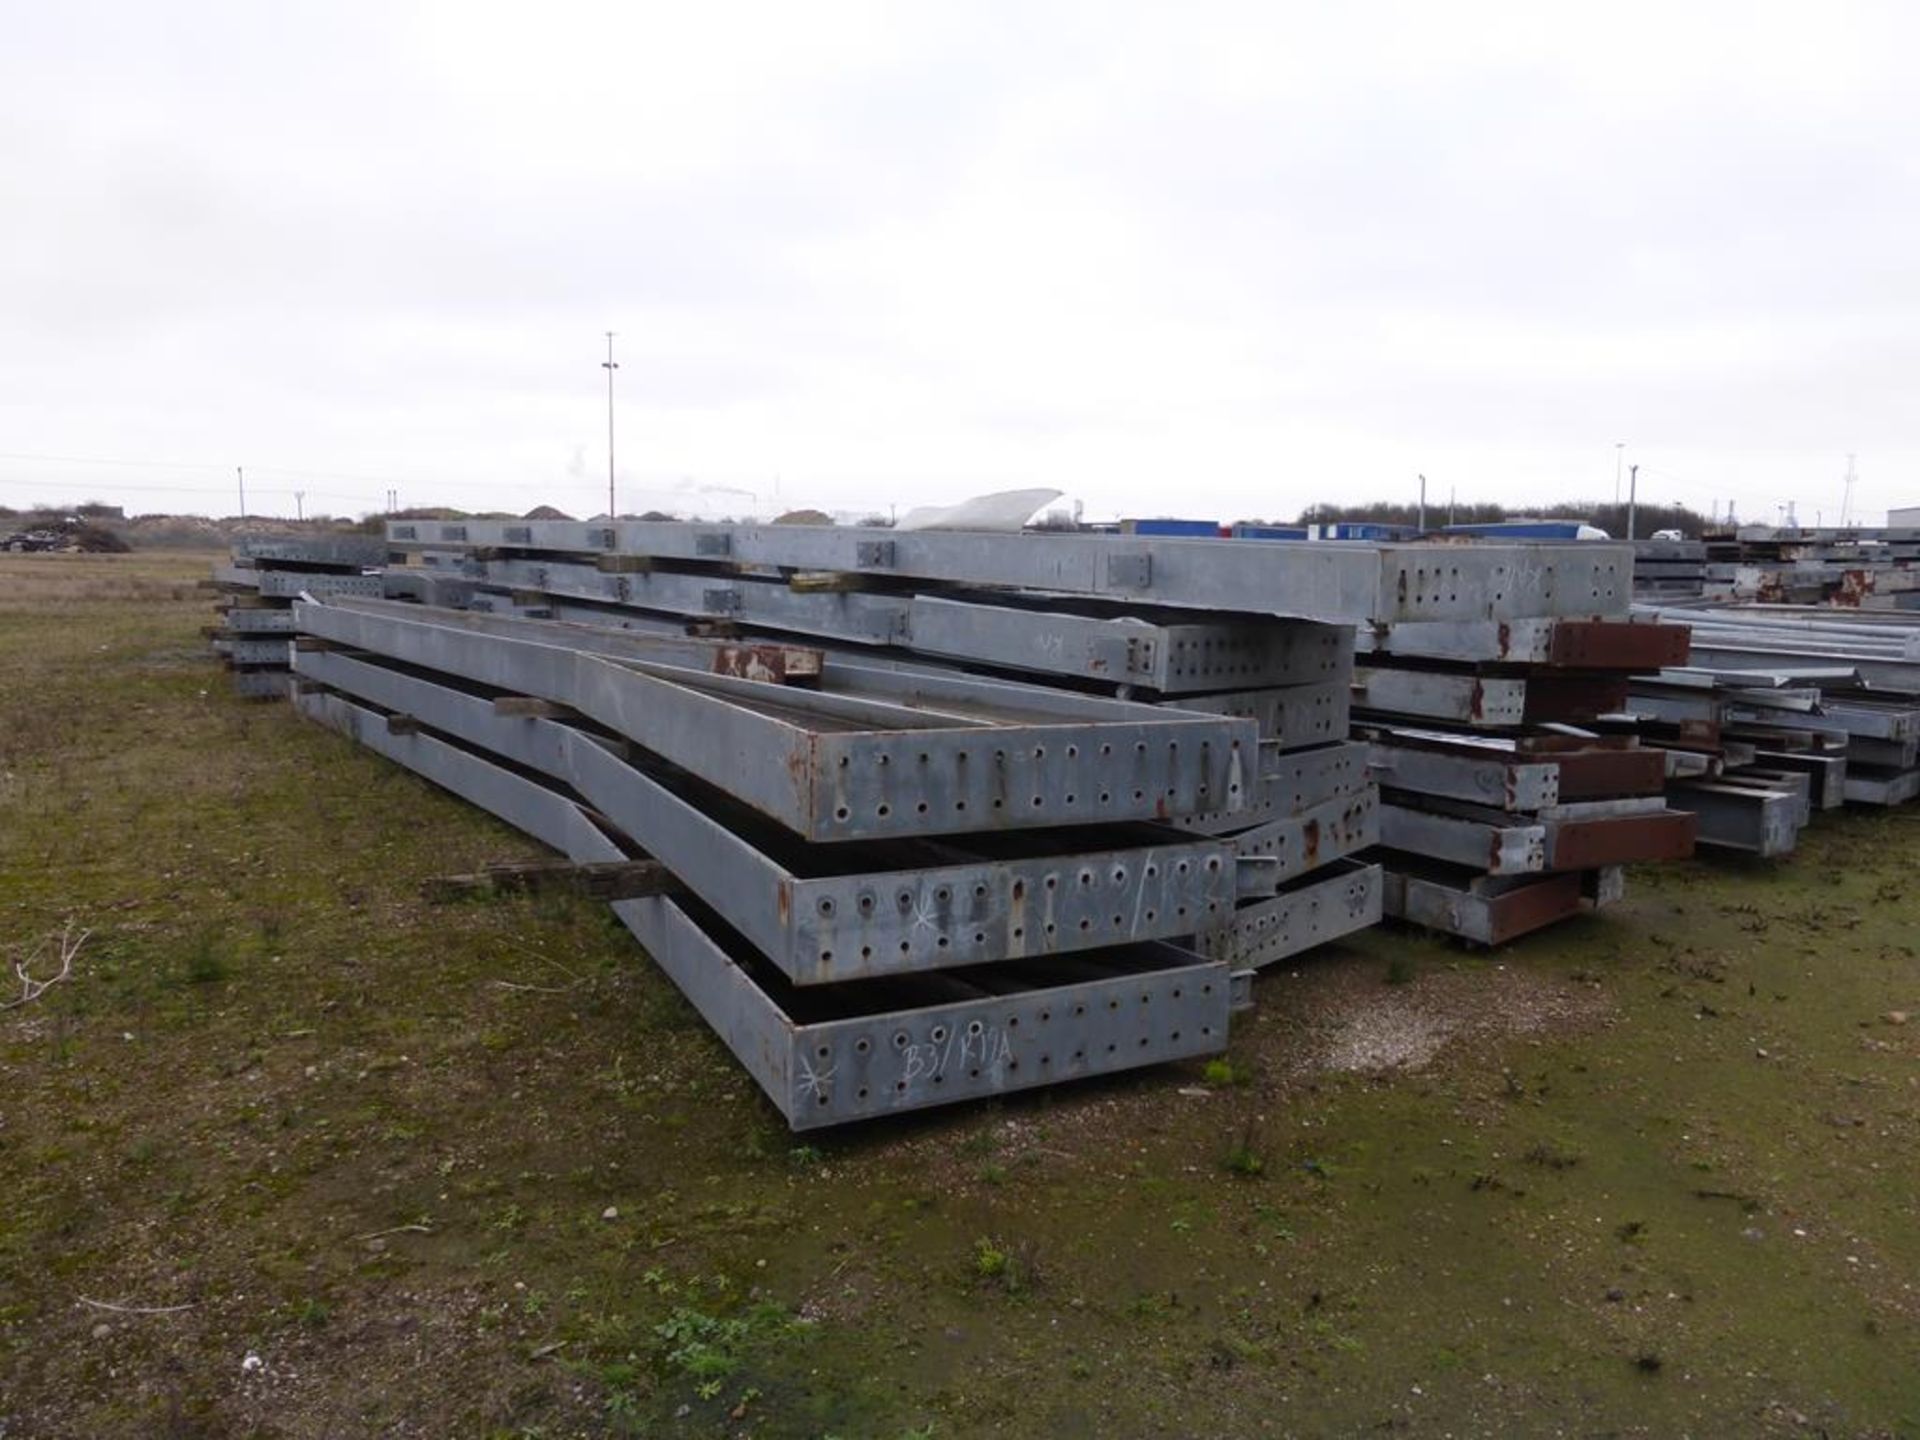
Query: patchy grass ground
[383, 1168]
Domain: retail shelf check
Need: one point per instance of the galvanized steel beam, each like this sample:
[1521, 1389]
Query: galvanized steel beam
[900, 753]
[848, 1052]
[816, 915]
[1336, 582]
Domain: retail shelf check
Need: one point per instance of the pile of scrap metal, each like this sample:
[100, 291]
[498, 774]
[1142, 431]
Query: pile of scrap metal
[1503, 808]
[945, 813]
[1854, 567]
[257, 590]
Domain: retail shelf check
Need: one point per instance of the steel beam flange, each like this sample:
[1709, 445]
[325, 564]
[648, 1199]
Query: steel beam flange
[1339, 900]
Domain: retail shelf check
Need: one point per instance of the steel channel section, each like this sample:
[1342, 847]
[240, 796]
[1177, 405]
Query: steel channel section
[257, 621]
[1560, 643]
[1293, 845]
[1827, 774]
[1290, 717]
[1864, 787]
[1343, 898]
[287, 584]
[1140, 1005]
[1793, 782]
[1892, 726]
[1173, 658]
[866, 619]
[1505, 784]
[847, 679]
[1592, 773]
[1881, 672]
[1731, 817]
[353, 552]
[1291, 783]
[1479, 845]
[1484, 919]
[1885, 754]
[246, 650]
[1338, 583]
[821, 929]
[831, 1071]
[849, 783]
[1619, 839]
[524, 804]
[1169, 657]
[1435, 695]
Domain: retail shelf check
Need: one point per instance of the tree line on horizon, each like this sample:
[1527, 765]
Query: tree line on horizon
[1609, 517]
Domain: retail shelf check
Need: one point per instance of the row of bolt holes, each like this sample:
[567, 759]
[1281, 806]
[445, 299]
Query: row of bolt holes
[1039, 801]
[938, 1036]
[944, 895]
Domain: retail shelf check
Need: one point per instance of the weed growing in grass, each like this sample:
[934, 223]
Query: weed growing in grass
[1222, 1072]
[1550, 1156]
[205, 965]
[1242, 1158]
[708, 1348]
[1011, 1268]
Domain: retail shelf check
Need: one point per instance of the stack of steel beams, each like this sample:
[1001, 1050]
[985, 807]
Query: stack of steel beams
[1501, 810]
[1871, 568]
[895, 888]
[1669, 569]
[257, 590]
[1854, 689]
[950, 813]
[1740, 759]
[1202, 624]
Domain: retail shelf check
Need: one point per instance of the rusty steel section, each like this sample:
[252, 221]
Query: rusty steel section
[771, 664]
[1483, 917]
[1595, 771]
[1619, 840]
[1639, 645]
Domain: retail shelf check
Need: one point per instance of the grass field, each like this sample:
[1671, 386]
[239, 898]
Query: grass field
[351, 1164]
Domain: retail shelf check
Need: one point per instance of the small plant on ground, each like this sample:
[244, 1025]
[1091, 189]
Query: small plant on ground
[204, 963]
[708, 1348]
[1010, 1268]
[1242, 1158]
[1550, 1156]
[1221, 1072]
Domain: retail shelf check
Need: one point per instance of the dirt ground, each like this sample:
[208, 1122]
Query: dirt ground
[292, 1153]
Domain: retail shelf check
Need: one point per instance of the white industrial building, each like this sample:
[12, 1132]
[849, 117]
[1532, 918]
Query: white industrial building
[1905, 519]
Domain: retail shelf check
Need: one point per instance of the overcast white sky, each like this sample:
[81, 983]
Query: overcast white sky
[1202, 259]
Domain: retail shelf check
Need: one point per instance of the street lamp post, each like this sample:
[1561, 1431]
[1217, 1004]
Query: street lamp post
[610, 365]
